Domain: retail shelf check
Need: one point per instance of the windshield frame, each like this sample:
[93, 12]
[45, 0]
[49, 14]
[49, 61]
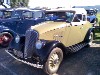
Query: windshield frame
[63, 14]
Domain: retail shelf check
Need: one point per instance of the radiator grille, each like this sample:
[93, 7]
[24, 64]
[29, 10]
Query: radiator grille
[30, 40]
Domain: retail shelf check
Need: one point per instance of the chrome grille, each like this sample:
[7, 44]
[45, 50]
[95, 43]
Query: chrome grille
[30, 40]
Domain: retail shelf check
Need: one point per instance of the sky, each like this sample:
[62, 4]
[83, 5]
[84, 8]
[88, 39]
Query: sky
[62, 3]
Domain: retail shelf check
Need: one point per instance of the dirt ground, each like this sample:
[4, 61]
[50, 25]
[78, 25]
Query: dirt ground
[83, 62]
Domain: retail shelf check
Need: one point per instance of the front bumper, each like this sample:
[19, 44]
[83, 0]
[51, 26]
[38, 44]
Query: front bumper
[26, 61]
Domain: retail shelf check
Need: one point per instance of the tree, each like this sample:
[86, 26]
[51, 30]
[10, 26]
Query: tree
[19, 3]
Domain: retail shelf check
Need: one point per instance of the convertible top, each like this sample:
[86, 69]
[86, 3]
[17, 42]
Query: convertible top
[76, 10]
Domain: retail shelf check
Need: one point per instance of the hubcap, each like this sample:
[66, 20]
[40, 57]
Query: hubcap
[5, 39]
[54, 61]
[90, 38]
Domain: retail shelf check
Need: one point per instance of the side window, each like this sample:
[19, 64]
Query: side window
[38, 14]
[84, 18]
[27, 14]
[1, 14]
[7, 14]
[77, 18]
[69, 16]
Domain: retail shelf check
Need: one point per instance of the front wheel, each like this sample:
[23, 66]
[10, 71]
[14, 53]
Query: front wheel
[5, 39]
[54, 60]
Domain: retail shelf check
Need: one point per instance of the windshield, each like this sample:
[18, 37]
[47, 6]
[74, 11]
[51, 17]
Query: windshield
[59, 16]
[90, 12]
[16, 14]
[22, 14]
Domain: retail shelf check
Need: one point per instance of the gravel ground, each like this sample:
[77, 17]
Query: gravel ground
[83, 62]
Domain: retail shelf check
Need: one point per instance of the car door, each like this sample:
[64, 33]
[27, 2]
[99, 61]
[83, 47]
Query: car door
[75, 35]
[84, 26]
[8, 20]
[25, 21]
[29, 18]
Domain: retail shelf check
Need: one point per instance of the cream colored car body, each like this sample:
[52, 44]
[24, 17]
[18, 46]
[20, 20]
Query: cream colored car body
[67, 33]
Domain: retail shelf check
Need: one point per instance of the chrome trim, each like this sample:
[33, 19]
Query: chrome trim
[28, 63]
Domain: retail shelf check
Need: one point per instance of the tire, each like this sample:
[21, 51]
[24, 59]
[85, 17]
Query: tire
[5, 42]
[54, 60]
[90, 39]
[95, 23]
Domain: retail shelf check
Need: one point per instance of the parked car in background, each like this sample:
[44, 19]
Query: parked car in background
[44, 45]
[19, 20]
[92, 16]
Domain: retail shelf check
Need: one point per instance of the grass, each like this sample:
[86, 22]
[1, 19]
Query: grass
[97, 31]
[97, 34]
[98, 16]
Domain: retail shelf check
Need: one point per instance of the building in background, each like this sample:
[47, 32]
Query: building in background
[49, 3]
[4, 3]
[15, 3]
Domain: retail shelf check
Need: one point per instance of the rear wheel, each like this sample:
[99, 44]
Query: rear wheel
[90, 39]
[54, 60]
[5, 39]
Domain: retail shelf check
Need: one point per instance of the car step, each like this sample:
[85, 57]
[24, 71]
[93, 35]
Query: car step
[76, 47]
[37, 65]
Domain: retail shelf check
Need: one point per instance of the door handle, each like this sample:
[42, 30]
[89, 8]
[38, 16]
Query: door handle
[75, 25]
[68, 26]
[81, 27]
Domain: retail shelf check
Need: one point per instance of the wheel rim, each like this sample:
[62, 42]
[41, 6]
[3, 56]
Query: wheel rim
[90, 38]
[54, 61]
[5, 39]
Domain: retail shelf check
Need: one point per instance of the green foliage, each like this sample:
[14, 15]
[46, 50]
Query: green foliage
[97, 31]
[18, 3]
[98, 16]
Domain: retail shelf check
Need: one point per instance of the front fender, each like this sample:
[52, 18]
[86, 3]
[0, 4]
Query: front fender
[46, 50]
[92, 18]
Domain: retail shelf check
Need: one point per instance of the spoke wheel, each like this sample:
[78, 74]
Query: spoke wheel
[54, 60]
[5, 39]
[90, 38]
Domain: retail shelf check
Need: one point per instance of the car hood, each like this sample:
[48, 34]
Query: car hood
[48, 26]
[91, 16]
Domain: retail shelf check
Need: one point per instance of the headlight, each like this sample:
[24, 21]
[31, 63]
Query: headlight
[17, 39]
[39, 44]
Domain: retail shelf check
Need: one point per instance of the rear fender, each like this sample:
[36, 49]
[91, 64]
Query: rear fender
[88, 33]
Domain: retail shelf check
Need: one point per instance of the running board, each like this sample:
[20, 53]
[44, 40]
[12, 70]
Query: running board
[76, 47]
[23, 61]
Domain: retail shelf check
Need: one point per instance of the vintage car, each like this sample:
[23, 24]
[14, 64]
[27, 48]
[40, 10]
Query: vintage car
[45, 45]
[91, 16]
[19, 20]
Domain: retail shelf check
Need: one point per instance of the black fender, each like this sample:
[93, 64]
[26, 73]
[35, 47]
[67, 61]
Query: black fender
[20, 45]
[46, 50]
[6, 29]
[93, 20]
[88, 33]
